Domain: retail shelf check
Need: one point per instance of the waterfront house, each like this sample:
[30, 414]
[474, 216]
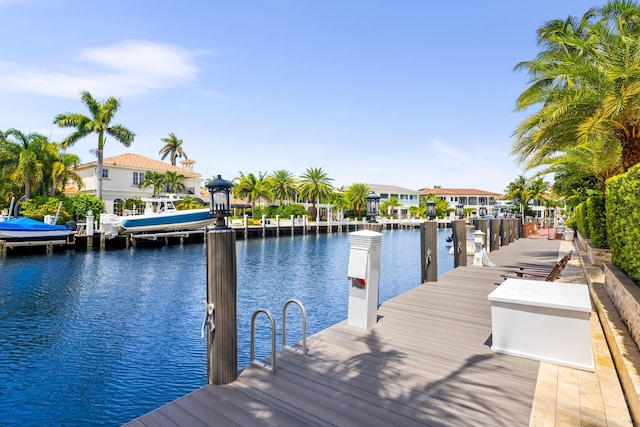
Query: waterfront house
[467, 197]
[405, 196]
[122, 174]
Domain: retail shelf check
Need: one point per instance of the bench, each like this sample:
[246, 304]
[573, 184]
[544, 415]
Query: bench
[540, 274]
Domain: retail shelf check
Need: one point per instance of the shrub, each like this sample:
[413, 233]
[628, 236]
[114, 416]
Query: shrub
[596, 221]
[623, 221]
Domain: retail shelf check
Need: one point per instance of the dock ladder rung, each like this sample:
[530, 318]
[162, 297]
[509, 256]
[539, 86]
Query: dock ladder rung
[271, 368]
[300, 351]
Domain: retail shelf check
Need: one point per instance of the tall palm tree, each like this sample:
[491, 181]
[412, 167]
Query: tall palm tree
[101, 114]
[586, 83]
[172, 148]
[282, 185]
[356, 195]
[153, 179]
[251, 187]
[315, 185]
[28, 147]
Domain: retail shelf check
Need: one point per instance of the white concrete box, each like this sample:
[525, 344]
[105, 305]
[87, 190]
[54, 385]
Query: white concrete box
[547, 321]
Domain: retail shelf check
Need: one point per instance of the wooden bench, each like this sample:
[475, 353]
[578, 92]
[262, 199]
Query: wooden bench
[540, 274]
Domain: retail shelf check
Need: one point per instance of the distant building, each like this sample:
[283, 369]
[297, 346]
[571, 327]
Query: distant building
[405, 196]
[122, 174]
[467, 197]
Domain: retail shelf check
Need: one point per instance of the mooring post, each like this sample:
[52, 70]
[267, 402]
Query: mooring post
[89, 228]
[222, 339]
[481, 224]
[459, 227]
[429, 251]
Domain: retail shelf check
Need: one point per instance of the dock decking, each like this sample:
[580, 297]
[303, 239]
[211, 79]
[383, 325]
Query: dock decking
[427, 362]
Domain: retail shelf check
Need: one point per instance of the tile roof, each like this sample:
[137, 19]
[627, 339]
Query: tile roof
[456, 192]
[136, 161]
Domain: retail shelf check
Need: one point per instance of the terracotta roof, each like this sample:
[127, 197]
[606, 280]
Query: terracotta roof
[136, 161]
[456, 192]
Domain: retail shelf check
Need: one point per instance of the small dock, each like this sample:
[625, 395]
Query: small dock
[427, 362]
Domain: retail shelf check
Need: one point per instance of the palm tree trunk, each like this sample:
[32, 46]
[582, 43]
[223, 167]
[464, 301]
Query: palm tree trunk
[630, 152]
[99, 174]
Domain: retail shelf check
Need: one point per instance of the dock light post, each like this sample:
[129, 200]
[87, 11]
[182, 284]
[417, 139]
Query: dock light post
[373, 206]
[431, 209]
[460, 210]
[220, 322]
[220, 191]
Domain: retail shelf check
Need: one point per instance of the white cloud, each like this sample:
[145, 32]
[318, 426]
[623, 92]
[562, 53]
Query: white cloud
[127, 68]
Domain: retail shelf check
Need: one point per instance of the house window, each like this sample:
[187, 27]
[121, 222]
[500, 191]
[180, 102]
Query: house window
[138, 177]
[105, 173]
[190, 190]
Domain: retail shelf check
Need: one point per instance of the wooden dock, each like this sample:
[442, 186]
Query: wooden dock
[427, 362]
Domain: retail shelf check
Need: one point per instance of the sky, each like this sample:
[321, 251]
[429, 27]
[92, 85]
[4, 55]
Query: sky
[411, 93]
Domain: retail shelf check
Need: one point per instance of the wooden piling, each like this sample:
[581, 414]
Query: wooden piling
[459, 227]
[222, 342]
[429, 251]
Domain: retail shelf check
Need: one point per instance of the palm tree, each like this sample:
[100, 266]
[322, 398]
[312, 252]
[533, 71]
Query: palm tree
[518, 192]
[173, 180]
[537, 189]
[154, 179]
[251, 187]
[27, 149]
[189, 203]
[356, 195]
[585, 167]
[586, 83]
[392, 204]
[62, 171]
[172, 148]
[282, 185]
[315, 185]
[101, 114]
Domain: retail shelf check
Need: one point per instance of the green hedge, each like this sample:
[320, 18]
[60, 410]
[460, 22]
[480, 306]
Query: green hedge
[623, 221]
[597, 221]
[581, 219]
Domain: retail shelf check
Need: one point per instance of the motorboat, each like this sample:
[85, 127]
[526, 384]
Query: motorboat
[27, 229]
[160, 215]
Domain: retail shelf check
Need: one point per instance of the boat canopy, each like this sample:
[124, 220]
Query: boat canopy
[27, 224]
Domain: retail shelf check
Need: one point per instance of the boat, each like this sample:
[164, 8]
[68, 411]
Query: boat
[27, 229]
[160, 215]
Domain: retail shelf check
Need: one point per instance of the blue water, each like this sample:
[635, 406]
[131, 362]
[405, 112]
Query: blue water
[102, 337]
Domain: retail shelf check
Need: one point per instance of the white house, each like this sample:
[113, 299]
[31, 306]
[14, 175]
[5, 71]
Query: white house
[467, 197]
[405, 196]
[122, 174]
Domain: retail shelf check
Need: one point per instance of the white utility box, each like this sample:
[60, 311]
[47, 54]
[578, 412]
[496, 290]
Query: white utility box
[364, 274]
[547, 321]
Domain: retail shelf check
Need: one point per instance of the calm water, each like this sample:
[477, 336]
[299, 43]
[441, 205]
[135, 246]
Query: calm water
[103, 337]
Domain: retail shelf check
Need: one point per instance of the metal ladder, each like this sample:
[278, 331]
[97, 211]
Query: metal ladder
[299, 351]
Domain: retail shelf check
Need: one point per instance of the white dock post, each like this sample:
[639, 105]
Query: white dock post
[478, 240]
[364, 275]
[89, 228]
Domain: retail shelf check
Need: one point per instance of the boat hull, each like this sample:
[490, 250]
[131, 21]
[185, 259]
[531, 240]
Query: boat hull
[174, 221]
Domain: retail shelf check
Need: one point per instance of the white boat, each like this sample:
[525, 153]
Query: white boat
[160, 215]
[27, 229]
